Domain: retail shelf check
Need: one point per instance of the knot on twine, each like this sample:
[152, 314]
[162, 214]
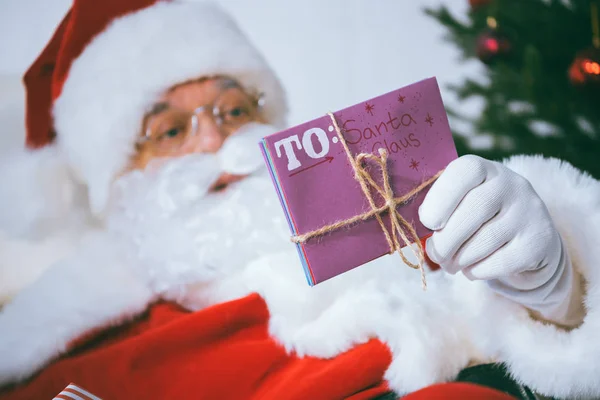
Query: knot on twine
[401, 228]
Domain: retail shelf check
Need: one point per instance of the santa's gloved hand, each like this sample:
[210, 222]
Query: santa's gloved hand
[490, 224]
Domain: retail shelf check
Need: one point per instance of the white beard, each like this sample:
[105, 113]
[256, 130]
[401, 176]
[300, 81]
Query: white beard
[177, 234]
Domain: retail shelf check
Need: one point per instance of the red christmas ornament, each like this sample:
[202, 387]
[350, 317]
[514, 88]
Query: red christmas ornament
[492, 46]
[585, 69]
[476, 4]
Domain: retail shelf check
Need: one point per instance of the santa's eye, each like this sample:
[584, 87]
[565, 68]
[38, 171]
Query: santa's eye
[237, 112]
[173, 132]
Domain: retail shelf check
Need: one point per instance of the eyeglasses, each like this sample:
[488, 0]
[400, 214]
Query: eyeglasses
[169, 128]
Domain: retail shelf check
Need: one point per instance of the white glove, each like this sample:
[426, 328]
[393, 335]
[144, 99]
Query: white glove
[490, 224]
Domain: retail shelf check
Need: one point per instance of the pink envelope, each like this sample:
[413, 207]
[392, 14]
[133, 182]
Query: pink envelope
[316, 184]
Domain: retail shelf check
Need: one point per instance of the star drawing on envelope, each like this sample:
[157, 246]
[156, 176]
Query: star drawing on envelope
[429, 119]
[414, 164]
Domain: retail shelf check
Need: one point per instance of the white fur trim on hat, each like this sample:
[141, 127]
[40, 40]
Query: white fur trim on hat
[130, 64]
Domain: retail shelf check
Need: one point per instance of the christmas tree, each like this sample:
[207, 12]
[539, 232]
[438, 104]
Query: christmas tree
[542, 82]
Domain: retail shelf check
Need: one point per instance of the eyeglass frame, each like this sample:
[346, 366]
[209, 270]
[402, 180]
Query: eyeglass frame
[258, 98]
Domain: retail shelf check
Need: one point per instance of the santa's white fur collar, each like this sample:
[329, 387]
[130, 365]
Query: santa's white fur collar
[432, 335]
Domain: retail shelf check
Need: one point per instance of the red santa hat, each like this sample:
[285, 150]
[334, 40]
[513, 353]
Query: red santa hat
[107, 63]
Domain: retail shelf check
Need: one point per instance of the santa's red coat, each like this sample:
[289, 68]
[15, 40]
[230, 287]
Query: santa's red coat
[223, 352]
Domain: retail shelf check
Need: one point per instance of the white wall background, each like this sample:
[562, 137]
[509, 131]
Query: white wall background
[328, 53]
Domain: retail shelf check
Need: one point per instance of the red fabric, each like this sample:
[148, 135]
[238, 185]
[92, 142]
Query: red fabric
[432, 265]
[38, 84]
[457, 391]
[223, 352]
[45, 78]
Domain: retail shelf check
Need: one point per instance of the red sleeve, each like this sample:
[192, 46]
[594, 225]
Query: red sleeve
[222, 352]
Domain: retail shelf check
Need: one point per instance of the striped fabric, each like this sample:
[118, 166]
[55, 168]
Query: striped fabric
[74, 392]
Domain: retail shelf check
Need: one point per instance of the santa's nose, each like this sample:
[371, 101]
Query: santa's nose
[208, 138]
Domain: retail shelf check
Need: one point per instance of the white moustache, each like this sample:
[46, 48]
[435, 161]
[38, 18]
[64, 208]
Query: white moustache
[189, 177]
[240, 154]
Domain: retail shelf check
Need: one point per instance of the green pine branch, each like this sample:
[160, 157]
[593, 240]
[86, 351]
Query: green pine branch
[528, 93]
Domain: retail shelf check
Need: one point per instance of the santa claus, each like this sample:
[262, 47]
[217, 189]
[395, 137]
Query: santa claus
[142, 123]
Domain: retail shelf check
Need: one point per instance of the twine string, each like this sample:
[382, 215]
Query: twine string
[401, 229]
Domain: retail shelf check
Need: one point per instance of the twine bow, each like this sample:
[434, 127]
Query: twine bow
[401, 228]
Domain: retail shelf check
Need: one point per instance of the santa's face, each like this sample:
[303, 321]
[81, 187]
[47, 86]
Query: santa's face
[196, 117]
[167, 208]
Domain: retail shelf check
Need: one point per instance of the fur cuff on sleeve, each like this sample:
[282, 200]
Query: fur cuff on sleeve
[555, 362]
